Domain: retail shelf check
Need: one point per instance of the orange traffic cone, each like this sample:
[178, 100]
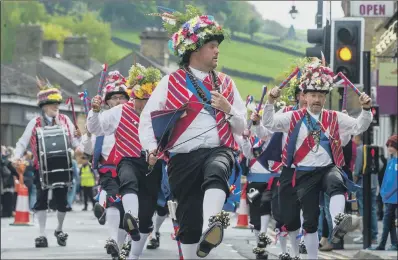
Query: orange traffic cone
[22, 208]
[243, 210]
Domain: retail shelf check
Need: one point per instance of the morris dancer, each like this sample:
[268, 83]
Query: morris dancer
[201, 144]
[49, 98]
[314, 147]
[135, 187]
[260, 181]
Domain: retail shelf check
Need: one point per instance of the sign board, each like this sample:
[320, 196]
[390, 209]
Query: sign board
[372, 8]
[388, 74]
[29, 115]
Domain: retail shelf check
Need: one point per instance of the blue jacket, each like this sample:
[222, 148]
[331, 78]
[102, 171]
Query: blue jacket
[389, 189]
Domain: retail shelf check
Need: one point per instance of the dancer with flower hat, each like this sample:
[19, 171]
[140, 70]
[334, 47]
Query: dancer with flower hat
[201, 143]
[313, 145]
[49, 98]
[138, 191]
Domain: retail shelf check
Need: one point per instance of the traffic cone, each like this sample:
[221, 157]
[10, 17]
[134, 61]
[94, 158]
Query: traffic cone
[243, 210]
[22, 208]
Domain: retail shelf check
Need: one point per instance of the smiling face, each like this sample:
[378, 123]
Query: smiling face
[51, 110]
[315, 101]
[207, 56]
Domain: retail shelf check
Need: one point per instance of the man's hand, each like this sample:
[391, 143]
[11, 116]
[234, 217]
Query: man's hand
[78, 133]
[152, 158]
[96, 103]
[273, 95]
[255, 117]
[219, 102]
[246, 133]
[365, 100]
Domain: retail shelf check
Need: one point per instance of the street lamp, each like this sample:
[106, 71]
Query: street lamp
[293, 13]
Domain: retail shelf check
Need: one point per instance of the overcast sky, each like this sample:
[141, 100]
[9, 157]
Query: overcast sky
[279, 11]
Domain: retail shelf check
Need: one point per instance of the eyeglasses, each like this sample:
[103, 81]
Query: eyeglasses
[118, 98]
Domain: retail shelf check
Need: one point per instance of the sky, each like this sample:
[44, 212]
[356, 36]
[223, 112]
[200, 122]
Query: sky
[279, 11]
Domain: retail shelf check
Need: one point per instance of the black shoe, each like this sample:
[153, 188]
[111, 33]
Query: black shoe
[130, 224]
[154, 242]
[112, 249]
[284, 256]
[124, 253]
[210, 239]
[260, 253]
[100, 213]
[61, 237]
[41, 242]
[344, 223]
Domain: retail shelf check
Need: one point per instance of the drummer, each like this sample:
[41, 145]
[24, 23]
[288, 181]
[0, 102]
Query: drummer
[48, 99]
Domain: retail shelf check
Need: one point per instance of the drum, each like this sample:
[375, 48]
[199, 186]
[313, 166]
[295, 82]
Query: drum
[55, 158]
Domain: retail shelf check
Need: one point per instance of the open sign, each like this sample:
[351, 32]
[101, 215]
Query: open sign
[372, 8]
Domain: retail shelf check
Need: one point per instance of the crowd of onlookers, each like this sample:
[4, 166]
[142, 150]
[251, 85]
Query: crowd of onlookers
[82, 190]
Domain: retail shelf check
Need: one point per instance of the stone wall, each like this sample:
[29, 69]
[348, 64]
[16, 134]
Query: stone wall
[76, 51]
[154, 45]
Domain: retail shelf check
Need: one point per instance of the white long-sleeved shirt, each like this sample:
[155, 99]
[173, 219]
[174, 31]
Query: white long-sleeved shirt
[347, 126]
[247, 151]
[23, 142]
[87, 145]
[203, 121]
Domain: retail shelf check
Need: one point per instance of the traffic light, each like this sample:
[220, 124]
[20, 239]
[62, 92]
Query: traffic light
[375, 111]
[347, 45]
[321, 38]
[370, 159]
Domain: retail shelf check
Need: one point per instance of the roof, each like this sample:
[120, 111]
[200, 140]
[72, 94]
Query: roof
[67, 69]
[16, 82]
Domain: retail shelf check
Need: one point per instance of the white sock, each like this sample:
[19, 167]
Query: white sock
[130, 204]
[312, 244]
[213, 203]
[61, 218]
[113, 222]
[42, 218]
[294, 242]
[121, 237]
[301, 220]
[138, 246]
[102, 198]
[256, 233]
[283, 242]
[189, 251]
[337, 204]
[158, 222]
[264, 223]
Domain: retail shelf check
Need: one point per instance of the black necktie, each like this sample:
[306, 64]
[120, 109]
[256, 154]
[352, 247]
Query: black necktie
[53, 122]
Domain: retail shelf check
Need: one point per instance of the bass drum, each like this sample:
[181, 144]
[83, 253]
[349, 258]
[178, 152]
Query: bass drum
[55, 158]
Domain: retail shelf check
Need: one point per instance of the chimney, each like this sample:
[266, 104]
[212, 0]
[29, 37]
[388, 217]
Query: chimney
[28, 48]
[154, 45]
[50, 48]
[76, 51]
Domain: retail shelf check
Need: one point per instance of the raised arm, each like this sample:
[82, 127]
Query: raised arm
[157, 101]
[354, 126]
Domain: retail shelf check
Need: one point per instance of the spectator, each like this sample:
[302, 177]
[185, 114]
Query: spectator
[8, 173]
[389, 195]
[73, 188]
[29, 179]
[359, 194]
[87, 181]
[383, 161]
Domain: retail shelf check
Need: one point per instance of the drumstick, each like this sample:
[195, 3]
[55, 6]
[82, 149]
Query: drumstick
[249, 99]
[348, 82]
[344, 106]
[172, 210]
[259, 104]
[71, 102]
[102, 79]
[294, 73]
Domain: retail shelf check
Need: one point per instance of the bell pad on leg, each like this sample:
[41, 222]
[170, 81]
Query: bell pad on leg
[263, 240]
[343, 225]
[284, 256]
[112, 248]
[222, 217]
[41, 242]
[61, 237]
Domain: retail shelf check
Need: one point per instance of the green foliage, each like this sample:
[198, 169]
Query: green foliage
[181, 18]
[254, 26]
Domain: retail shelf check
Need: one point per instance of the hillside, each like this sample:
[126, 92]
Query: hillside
[242, 57]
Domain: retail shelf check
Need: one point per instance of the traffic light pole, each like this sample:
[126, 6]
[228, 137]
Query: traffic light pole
[366, 179]
[319, 15]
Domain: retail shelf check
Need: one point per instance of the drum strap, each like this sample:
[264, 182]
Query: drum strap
[97, 151]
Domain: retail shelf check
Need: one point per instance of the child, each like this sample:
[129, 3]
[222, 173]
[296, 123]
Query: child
[87, 181]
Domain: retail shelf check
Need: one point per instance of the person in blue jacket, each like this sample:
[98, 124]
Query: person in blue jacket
[389, 194]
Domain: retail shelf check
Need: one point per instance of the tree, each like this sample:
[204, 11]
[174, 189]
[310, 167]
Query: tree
[254, 26]
[237, 22]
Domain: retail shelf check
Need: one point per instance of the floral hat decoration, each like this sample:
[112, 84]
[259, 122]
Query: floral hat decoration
[48, 94]
[191, 30]
[115, 83]
[316, 76]
[142, 81]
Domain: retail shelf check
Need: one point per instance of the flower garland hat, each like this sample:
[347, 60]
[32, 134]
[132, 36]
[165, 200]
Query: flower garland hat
[317, 77]
[142, 81]
[48, 94]
[115, 83]
[191, 30]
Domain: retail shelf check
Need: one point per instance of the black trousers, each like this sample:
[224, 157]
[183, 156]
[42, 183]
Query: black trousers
[191, 174]
[257, 207]
[59, 196]
[88, 195]
[133, 178]
[309, 184]
[289, 205]
[276, 213]
[162, 211]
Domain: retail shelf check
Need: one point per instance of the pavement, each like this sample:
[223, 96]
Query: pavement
[87, 238]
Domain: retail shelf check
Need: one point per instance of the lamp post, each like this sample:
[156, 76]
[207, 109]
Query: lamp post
[293, 13]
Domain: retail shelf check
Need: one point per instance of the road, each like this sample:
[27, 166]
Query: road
[87, 238]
